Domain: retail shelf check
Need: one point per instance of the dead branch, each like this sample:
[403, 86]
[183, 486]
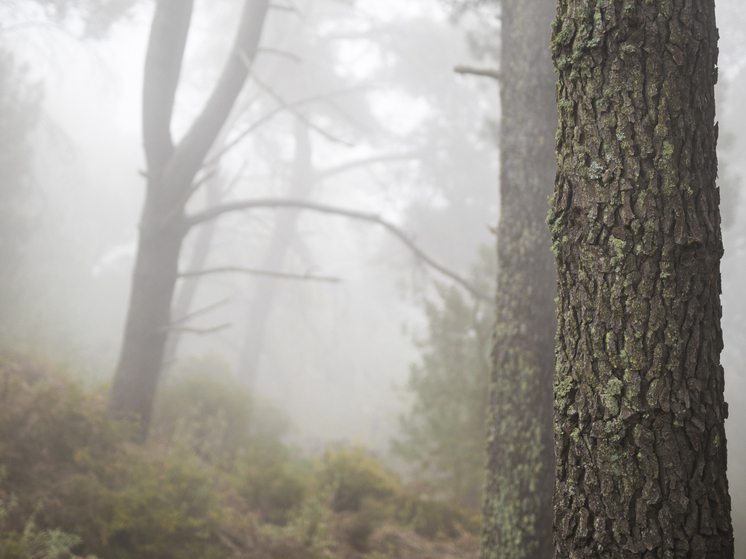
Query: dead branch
[216, 211]
[253, 126]
[299, 115]
[205, 310]
[252, 271]
[202, 331]
[282, 53]
[488, 72]
[354, 164]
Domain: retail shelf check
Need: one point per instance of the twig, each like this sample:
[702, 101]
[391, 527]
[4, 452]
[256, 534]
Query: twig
[202, 331]
[283, 8]
[267, 117]
[283, 53]
[299, 115]
[204, 310]
[252, 271]
[494, 74]
[354, 164]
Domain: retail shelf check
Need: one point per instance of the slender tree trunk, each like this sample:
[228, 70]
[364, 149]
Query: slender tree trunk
[639, 411]
[517, 507]
[171, 172]
[282, 237]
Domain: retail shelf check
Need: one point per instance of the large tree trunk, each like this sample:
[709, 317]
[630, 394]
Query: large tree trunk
[639, 411]
[171, 172]
[517, 507]
[282, 236]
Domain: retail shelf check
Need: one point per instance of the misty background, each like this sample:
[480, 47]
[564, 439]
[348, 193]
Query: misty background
[353, 104]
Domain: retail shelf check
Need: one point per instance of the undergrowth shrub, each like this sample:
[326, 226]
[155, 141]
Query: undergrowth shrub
[66, 460]
[353, 475]
[214, 481]
[205, 410]
[32, 543]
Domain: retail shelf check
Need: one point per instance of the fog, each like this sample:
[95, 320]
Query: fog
[368, 83]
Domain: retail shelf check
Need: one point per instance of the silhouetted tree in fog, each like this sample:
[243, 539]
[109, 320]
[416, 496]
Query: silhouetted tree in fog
[639, 411]
[171, 171]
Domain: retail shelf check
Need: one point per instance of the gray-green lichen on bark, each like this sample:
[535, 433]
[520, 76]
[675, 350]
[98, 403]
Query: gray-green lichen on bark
[517, 510]
[639, 411]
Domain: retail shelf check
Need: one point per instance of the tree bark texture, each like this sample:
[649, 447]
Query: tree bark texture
[639, 410]
[517, 520]
[265, 293]
[170, 176]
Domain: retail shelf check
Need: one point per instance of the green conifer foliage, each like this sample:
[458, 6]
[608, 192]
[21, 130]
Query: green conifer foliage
[444, 432]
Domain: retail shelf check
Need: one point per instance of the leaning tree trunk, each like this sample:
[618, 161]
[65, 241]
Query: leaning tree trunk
[171, 170]
[282, 236]
[639, 411]
[517, 521]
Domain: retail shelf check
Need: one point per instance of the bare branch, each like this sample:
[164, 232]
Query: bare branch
[494, 74]
[209, 308]
[202, 331]
[282, 53]
[267, 117]
[299, 115]
[252, 271]
[283, 8]
[214, 212]
[356, 163]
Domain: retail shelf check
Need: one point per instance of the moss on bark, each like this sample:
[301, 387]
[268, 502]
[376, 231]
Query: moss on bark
[517, 511]
[639, 410]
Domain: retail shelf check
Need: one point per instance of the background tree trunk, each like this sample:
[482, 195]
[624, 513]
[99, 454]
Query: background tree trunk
[639, 410]
[282, 236]
[517, 507]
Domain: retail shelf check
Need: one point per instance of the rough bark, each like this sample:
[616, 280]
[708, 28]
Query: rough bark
[517, 507]
[282, 236]
[639, 411]
[170, 175]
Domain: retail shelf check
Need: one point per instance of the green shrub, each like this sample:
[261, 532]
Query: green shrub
[61, 451]
[436, 520]
[262, 476]
[32, 543]
[353, 475]
[205, 409]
